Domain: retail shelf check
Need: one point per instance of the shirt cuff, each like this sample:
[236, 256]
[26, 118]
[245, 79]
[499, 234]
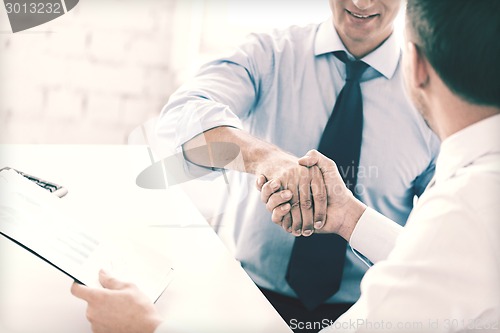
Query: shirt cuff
[195, 117]
[374, 235]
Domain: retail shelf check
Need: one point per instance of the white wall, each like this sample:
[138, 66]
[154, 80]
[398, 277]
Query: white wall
[99, 71]
[89, 76]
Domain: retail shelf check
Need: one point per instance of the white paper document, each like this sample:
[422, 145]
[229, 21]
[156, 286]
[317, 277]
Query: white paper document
[36, 219]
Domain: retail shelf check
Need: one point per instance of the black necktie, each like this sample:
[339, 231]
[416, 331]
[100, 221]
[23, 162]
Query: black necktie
[316, 263]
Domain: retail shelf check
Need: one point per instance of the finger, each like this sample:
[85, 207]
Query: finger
[295, 211]
[277, 199]
[261, 180]
[81, 291]
[331, 176]
[318, 190]
[306, 203]
[110, 282]
[314, 157]
[280, 212]
[286, 222]
[309, 159]
[268, 189]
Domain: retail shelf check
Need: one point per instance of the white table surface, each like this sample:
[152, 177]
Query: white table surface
[210, 292]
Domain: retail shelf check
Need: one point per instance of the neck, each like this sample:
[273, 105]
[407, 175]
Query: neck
[361, 47]
[459, 114]
[446, 112]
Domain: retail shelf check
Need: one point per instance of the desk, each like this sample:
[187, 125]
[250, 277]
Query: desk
[210, 291]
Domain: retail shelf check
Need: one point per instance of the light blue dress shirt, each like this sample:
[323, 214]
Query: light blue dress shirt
[281, 87]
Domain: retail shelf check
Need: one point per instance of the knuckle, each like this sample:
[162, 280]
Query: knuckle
[303, 171]
[313, 152]
[306, 204]
[320, 197]
[305, 186]
[276, 219]
[272, 204]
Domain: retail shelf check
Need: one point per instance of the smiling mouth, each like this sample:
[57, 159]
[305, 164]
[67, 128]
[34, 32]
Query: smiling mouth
[359, 16]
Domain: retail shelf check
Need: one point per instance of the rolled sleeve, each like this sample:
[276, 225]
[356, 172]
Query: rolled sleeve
[184, 122]
[374, 235]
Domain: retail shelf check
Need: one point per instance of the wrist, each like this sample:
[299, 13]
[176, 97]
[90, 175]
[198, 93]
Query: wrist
[354, 209]
[270, 162]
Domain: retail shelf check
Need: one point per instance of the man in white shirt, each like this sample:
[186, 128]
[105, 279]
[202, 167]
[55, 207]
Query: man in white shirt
[442, 271]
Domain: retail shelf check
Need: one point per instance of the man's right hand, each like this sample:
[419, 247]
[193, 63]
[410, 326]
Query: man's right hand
[306, 184]
[343, 209]
[305, 193]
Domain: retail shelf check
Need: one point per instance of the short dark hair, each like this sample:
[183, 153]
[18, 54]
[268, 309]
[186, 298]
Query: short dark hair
[461, 40]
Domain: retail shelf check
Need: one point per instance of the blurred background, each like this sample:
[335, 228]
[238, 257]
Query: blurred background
[96, 73]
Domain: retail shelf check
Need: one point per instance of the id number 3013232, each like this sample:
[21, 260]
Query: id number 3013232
[33, 7]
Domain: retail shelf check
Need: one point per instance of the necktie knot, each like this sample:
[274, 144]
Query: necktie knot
[354, 68]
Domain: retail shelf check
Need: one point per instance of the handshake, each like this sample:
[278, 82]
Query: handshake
[309, 197]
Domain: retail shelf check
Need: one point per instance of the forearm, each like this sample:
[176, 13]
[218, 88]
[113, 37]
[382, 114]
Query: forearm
[255, 156]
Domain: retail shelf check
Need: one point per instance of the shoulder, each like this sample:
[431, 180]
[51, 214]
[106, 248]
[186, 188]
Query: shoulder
[268, 52]
[291, 38]
[463, 206]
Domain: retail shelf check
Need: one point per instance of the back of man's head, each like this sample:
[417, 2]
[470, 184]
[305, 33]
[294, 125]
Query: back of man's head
[461, 40]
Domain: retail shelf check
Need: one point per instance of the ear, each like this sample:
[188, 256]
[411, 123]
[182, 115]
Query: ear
[418, 66]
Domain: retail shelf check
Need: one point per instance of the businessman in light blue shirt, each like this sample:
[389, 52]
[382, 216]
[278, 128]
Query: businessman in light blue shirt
[273, 97]
[280, 89]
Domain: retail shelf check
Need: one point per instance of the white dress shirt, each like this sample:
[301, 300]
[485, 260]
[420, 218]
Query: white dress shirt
[443, 272]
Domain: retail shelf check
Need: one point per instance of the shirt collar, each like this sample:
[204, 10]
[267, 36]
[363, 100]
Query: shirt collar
[467, 145]
[384, 59]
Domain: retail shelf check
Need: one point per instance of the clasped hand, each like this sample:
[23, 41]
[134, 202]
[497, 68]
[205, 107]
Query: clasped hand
[311, 198]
